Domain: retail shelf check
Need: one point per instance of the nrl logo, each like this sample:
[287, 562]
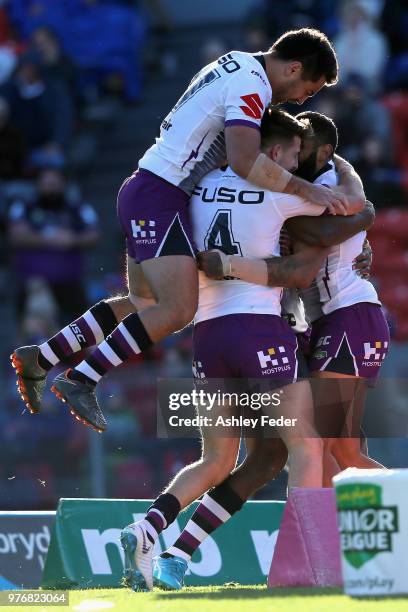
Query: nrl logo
[320, 354]
[366, 526]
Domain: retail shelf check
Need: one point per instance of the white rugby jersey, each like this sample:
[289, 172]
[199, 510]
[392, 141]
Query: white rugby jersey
[233, 90]
[337, 285]
[231, 214]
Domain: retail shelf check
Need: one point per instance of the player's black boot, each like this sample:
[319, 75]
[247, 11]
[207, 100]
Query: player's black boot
[81, 399]
[31, 377]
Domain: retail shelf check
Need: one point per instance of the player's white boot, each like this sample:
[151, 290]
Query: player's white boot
[138, 549]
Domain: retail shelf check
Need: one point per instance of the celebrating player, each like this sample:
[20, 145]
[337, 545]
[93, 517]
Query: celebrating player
[266, 456]
[350, 335]
[217, 118]
[239, 333]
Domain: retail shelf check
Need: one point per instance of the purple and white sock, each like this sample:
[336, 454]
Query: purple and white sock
[215, 509]
[161, 513]
[128, 339]
[90, 329]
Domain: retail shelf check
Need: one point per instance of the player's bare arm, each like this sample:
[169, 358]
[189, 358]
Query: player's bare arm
[350, 184]
[248, 161]
[327, 231]
[296, 270]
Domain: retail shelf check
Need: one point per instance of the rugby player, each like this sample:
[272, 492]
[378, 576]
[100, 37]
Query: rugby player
[239, 333]
[349, 332]
[217, 118]
[339, 303]
[266, 456]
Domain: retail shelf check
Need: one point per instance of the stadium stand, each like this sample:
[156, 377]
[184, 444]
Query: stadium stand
[117, 75]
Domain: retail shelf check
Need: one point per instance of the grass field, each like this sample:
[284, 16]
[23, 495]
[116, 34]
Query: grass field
[225, 599]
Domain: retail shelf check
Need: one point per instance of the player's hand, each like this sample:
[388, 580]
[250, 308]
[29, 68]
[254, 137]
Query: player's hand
[335, 202]
[362, 263]
[214, 264]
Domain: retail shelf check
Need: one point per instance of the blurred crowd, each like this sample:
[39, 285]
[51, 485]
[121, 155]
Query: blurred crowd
[61, 65]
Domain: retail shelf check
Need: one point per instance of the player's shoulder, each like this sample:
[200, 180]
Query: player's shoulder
[327, 175]
[253, 64]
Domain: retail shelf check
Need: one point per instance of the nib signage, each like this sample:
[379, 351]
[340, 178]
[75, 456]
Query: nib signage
[85, 550]
[366, 525]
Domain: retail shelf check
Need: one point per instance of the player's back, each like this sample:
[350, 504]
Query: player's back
[231, 90]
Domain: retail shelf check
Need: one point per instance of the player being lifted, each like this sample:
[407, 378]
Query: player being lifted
[239, 333]
[217, 118]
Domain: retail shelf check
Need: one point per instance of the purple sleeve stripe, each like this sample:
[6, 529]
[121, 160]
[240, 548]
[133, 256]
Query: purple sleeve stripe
[250, 124]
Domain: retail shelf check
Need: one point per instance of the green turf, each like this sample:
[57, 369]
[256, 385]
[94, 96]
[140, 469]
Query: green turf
[225, 599]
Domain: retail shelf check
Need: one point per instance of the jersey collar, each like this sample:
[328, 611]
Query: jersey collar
[325, 168]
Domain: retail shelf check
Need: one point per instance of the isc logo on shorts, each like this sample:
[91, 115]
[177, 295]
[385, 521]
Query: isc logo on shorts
[323, 341]
[144, 231]
[273, 360]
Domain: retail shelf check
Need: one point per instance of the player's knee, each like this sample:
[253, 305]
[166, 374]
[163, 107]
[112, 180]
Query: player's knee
[269, 459]
[184, 315]
[346, 454]
[219, 467]
[310, 448]
[179, 314]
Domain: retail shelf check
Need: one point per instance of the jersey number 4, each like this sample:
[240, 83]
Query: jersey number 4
[220, 236]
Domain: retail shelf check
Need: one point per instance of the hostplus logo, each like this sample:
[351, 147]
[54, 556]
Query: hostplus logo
[144, 231]
[366, 525]
[374, 355]
[273, 360]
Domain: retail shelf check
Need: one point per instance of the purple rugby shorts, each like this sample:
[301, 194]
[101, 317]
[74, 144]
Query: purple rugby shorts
[352, 340]
[245, 346]
[153, 215]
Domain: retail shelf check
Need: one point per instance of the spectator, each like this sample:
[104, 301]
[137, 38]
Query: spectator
[56, 65]
[383, 183]
[12, 146]
[395, 26]
[48, 237]
[359, 117]
[361, 47]
[43, 111]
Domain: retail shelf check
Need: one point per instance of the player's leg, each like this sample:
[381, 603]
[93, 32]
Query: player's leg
[218, 458]
[346, 451]
[32, 363]
[219, 455]
[265, 459]
[304, 445]
[163, 248]
[344, 362]
[173, 283]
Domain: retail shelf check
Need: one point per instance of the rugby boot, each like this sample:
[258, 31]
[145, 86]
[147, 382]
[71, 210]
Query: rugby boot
[138, 549]
[169, 572]
[81, 400]
[31, 377]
